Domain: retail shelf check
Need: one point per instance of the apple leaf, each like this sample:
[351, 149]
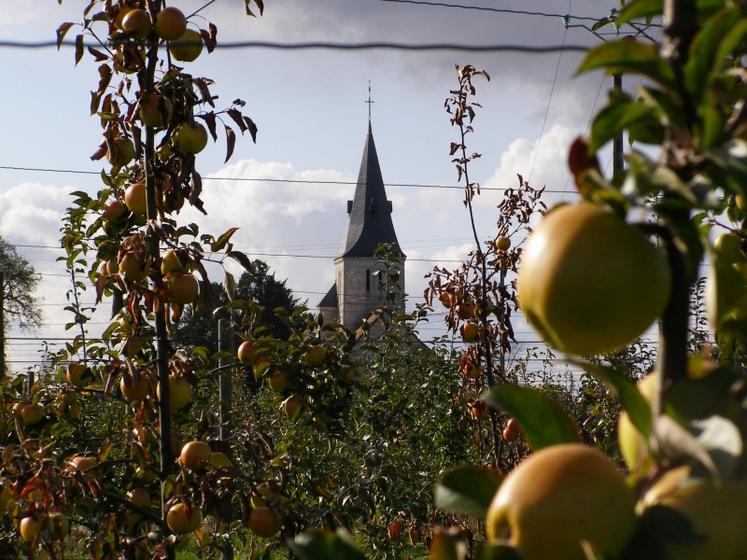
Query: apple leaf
[467, 490]
[626, 56]
[62, 31]
[242, 259]
[230, 284]
[230, 142]
[721, 440]
[542, 421]
[625, 391]
[79, 48]
[223, 240]
[672, 441]
[323, 545]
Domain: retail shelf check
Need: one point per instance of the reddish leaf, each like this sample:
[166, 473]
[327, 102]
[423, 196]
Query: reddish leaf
[95, 100]
[62, 31]
[79, 48]
[209, 119]
[230, 142]
[252, 128]
[97, 54]
[237, 117]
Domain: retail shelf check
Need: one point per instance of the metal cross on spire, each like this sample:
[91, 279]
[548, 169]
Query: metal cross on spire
[369, 101]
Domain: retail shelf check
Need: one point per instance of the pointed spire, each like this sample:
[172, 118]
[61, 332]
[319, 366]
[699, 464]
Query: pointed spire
[370, 211]
[370, 102]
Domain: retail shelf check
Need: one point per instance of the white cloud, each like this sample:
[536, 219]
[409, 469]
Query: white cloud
[542, 161]
[32, 213]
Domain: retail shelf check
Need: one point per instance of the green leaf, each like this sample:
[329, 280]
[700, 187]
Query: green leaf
[625, 391]
[733, 39]
[543, 422]
[628, 56]
[601, 23]
[467, 490]
[325, 545]
[639, 9]
[619, 114]
[713, 122]
[242, 259]
[701, 57]
[229, 283]
[223, 240]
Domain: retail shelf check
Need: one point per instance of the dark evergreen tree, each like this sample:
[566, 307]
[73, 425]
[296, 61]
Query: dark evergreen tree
[198, 327]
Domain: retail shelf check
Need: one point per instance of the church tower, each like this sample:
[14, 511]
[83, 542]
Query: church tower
[357, 290]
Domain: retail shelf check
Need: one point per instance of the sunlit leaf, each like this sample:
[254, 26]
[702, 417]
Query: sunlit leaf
[325, 545]
[628, 56]
[624, 389]
[467, 490]
[542, 421]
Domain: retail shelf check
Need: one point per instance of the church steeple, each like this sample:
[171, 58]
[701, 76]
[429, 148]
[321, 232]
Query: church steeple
[359, 289]
[370, 211]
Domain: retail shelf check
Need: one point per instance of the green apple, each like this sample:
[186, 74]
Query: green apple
[589, 282]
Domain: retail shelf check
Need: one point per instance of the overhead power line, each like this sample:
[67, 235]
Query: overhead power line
[563, 17]
[549, 102]
[568, 16]
[269, 180]
[335, 46]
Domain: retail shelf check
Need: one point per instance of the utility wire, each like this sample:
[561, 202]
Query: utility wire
[549, 101]
[494, 10]
[260, 179]
[326, 45]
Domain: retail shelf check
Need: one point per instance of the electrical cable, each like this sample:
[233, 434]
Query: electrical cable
[326, 45]
[268, 180]
[549, 102]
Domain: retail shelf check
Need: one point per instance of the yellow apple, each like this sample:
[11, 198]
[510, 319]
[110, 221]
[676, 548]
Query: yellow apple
[190, 138]
[633, 447]
[135, 199]
[170, 23]
[195, 455]
[187, 47]
[182, 518]
[557, 498]
[589, 282]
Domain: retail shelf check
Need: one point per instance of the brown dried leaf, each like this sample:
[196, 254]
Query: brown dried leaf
[79, 48]
[230, 142]
[62, 31]
[252, 128]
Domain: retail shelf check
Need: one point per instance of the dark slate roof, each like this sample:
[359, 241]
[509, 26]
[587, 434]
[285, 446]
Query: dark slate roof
[370, 211]
[330, 300]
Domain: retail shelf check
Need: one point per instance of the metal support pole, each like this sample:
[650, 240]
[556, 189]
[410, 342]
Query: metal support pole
[224, 382]
[617, 141]
[224, 416]
[162, 342]
[2, 324]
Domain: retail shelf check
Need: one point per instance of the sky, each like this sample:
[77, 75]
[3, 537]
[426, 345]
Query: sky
[312, 117]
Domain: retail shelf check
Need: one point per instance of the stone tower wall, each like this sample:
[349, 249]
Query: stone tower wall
[358, 302]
